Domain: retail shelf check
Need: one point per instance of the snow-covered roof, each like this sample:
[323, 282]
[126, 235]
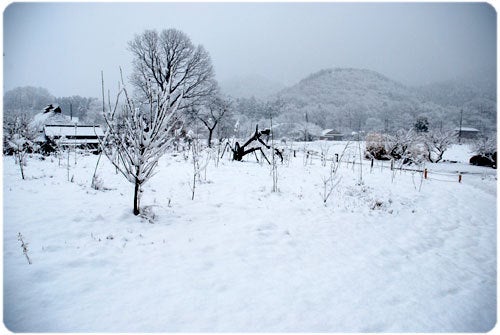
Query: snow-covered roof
[467, 129]
[330, 132]
[41, 119]
[71, 131]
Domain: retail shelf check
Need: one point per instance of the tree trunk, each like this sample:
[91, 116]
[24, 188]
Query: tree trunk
[20, 158]
[210, 131]
[439, 156]
[137, 191]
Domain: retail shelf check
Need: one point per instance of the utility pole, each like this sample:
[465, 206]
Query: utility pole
[71, 118]
[460, 128]
[306, 137]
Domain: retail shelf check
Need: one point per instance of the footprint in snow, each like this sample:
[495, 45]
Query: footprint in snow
[449, 291]
[266, 227]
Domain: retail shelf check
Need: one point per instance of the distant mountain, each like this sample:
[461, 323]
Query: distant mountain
[343, 86]
[351, 99]
[248, 86]
[348, 99]
[462, 90]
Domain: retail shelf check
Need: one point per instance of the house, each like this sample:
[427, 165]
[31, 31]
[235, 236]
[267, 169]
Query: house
[58, 130]
[466, 132]
[74, 136]
[51, 115]
[331, 135]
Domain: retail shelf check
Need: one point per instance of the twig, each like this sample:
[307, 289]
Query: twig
[24, 246]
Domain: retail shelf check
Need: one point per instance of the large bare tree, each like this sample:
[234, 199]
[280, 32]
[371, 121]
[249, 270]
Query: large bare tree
[170, 61]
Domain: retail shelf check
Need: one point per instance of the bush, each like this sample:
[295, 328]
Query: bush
[486, 150]
[483, 160]
[375, 146]
[436, 143]
[403, 145]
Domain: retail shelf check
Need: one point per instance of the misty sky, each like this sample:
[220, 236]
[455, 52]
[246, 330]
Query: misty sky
[64, 46]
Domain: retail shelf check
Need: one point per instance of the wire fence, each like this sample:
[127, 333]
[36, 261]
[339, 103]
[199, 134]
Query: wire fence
[352, 158]
[454, 177]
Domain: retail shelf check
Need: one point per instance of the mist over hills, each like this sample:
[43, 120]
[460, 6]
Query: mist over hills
[248, 86]
[350, 99]
[345, 99]
[462, 90]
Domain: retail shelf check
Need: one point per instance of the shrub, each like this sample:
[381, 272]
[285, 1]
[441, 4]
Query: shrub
[376, 146]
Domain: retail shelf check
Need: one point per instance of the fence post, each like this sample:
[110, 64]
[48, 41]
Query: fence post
[336, 158]
[392, 164]
[425, 173]
[294, 154]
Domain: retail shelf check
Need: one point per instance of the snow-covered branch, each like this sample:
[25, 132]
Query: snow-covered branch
[138, 134]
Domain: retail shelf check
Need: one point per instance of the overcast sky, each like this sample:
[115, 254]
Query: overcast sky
[64, 46]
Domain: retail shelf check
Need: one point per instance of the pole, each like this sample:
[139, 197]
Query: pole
[460, 128]
[306, 137]
[75, 142]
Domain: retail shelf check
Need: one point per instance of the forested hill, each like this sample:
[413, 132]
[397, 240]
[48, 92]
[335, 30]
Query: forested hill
[343, 86]
[352, 99]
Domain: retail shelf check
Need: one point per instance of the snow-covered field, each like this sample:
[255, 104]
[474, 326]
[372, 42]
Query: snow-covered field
[388, 253]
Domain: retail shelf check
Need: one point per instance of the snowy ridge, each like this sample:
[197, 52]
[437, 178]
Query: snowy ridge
[341, 86]
[360, 99]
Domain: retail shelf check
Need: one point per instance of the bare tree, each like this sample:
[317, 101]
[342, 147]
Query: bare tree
[76, 106]
[139, 134]
[170, 61]
[399, 144]
[211, 114]
[18, 124]
[331, 181]
[196, 165]
[26, 99]
[19, 145]
[485, 146]
[436, 143]
[19, 137]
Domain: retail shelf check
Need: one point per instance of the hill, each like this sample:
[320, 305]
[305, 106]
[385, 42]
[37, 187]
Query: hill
[341, 86]
[360, 99]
